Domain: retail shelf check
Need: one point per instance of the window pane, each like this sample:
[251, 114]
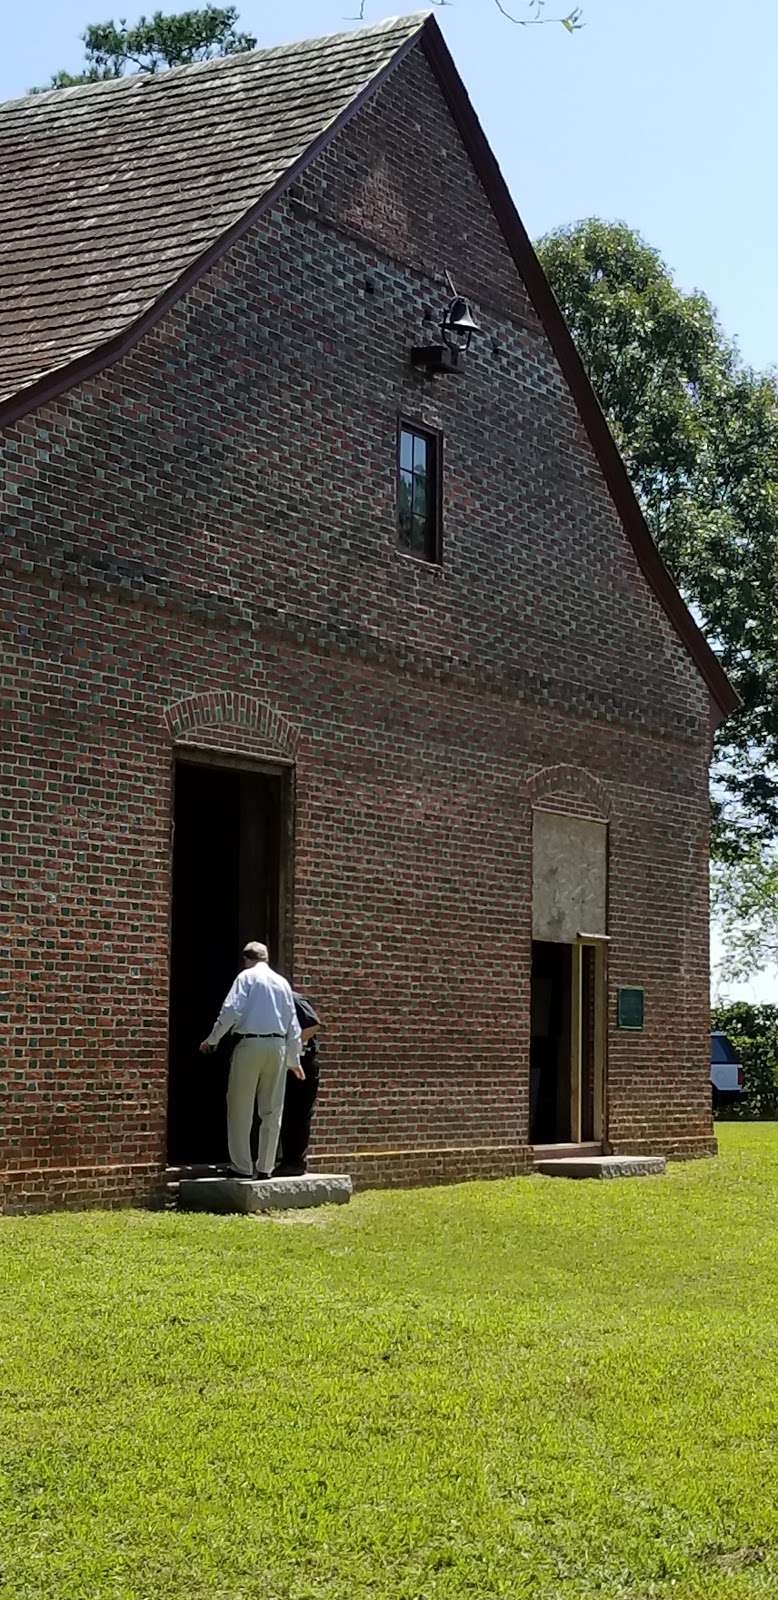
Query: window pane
[420, 542]
[721, 1050]
[406, 502]
[420, 495]
[417, 485]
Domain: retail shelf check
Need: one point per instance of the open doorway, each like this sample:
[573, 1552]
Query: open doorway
[550, 1051]
[229, 850]
[567, 1044]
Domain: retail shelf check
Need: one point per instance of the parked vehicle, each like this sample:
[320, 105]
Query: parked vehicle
[726, 1073]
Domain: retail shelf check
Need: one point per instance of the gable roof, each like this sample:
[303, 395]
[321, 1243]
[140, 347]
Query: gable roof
[116, 197]
[110, 191]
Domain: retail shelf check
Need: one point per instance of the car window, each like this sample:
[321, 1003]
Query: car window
[721, 1050]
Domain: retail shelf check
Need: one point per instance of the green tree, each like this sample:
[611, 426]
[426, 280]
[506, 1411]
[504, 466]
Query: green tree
[745, 899]
[699, 434]
[154, 43]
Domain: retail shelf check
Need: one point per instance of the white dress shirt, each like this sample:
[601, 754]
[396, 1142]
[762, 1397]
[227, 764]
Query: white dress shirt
[260, 1001]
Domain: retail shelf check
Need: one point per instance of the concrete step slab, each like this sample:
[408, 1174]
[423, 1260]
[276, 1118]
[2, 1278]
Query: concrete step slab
[264, 1194]
[555, 1152]
[602, 1166]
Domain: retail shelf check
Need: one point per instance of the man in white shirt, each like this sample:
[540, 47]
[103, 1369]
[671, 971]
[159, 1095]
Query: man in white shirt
[260, 1010]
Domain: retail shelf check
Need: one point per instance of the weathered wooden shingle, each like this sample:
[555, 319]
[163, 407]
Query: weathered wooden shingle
[110, 191]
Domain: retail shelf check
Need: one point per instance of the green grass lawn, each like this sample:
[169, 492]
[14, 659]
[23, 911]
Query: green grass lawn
[519, 1388]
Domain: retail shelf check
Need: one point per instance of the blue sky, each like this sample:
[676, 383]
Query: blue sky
[660, 112]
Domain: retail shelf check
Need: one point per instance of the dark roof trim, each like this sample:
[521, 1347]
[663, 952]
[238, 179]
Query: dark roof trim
[56, 383]
[605, 449]
[496, 190]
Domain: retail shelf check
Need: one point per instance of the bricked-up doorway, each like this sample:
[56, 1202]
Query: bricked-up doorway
[230, 855]
[569, 921]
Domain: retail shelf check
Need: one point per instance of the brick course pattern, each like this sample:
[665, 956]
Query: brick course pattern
[201, 550]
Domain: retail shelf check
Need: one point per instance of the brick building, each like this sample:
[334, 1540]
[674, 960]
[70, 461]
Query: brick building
[306, 640]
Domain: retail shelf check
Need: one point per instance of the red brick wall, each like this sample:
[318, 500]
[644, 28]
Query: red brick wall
[214, 517]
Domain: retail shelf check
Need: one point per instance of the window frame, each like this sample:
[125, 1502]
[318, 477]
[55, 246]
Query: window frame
[434, 438]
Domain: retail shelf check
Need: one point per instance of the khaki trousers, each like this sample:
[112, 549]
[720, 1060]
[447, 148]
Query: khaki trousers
[257, 1074]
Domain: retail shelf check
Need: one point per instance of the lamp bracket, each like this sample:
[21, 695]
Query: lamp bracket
[437, 359]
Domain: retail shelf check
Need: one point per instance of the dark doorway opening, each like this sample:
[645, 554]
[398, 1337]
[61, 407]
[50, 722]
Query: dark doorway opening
[229, 846]
[550, 1044]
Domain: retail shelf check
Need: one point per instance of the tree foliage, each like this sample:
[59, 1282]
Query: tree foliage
[154, 43]
[745, 900]
[699, 434]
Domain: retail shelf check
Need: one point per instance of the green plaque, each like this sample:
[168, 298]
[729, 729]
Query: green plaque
[630, 1008]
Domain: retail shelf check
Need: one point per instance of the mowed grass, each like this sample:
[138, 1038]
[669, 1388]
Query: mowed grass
[518, 1388]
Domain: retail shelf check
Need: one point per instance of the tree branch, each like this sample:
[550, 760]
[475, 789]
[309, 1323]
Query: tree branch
[572, 22]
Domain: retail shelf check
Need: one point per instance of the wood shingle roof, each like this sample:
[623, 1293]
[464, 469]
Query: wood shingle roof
[111, 191]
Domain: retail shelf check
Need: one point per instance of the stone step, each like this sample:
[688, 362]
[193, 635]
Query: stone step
[602, 1166]
[264, 1194]
[555, 1152]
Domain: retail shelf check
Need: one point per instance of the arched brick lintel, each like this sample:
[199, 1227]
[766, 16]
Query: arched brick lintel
[224, 708]
[572, 782]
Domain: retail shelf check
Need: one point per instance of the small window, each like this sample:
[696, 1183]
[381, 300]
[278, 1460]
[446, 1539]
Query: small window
[418, 492]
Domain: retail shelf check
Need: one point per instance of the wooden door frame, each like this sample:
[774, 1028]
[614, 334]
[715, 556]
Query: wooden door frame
[599, 944]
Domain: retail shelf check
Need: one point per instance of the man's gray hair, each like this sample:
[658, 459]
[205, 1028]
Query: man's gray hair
[257, 952]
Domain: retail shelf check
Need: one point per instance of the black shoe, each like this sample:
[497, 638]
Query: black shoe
[263, 1176]
[234, 1172]
[291, 1169]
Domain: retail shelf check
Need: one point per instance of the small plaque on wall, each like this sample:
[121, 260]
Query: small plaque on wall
[630, 1009]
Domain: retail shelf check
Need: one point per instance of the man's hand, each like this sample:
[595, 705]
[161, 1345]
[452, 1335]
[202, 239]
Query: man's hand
[297, 1071]
[205, 1048]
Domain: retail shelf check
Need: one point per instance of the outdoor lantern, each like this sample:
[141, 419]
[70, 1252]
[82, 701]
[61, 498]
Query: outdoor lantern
[457, 328]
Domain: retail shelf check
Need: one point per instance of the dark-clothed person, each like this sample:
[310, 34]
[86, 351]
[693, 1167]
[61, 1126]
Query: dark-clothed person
[300, 1096]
